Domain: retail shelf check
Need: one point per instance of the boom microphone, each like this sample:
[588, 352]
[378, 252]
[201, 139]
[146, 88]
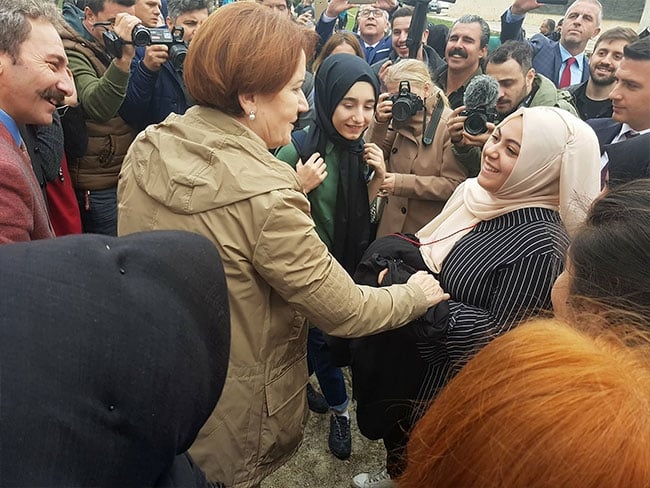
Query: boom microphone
[480, 100]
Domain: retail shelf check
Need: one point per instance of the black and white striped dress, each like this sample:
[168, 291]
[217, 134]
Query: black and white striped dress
[498, 275]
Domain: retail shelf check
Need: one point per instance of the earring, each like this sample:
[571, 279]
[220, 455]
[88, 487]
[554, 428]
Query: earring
[251, 115]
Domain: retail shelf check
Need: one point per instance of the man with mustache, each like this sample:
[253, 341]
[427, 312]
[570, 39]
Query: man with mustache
[101, 78]
[625, 137]
[34, 80]
[563, 62]
[591, 97]
[519, 86]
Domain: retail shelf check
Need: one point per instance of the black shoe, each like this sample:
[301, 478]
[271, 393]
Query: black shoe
[340, 441]
[316, 400]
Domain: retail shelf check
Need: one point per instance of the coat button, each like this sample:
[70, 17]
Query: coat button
[394, 150]
[403, 210]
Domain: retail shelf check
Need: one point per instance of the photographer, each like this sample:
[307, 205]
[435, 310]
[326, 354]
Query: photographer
[519, 86]
[157, 88]
[101, 82]
[422, 171]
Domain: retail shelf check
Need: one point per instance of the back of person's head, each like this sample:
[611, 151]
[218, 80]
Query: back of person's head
[475, 19]
[336, 40]
[98, 5]
[543, 405]
[609, 255]
[14, 22]
[617, 33]
[114, 354]
[550, 23]
[521, 52]
[220, 66]
[638, 50]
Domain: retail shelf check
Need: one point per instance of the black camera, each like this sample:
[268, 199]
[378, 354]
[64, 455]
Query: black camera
[477, 119]
[405, 103]
[145, 36]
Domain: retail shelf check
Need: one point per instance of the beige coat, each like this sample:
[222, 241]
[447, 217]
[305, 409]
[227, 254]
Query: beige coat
[206, 173]
[426, 176]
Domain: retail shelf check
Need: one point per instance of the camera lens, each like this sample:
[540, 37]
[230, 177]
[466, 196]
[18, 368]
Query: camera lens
[177, 53]
[402, 110]
[141, 36]
[475, 124]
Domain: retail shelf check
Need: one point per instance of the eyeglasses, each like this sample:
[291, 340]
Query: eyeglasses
[376, 13]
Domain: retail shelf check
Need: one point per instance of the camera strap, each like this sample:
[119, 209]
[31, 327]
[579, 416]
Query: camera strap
[428, 132]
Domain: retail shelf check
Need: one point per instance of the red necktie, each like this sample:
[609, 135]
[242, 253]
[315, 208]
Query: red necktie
[566, 74]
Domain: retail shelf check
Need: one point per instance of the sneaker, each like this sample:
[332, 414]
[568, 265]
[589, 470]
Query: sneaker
[340, 441]
[316, 400]
[379, 479]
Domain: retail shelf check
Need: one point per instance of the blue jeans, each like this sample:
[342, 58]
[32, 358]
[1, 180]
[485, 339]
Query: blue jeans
[98, 211]
[330, 378]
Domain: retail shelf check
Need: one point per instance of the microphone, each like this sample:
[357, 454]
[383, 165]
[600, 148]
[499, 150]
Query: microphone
[480, 100]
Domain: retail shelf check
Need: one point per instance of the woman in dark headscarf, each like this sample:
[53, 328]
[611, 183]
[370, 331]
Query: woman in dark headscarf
[345, 97]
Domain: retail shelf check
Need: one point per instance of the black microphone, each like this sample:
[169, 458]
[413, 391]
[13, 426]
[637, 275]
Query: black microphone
[480, 100]
[416, 27]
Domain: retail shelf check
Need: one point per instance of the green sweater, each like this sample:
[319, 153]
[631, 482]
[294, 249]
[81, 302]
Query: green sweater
[323, 197]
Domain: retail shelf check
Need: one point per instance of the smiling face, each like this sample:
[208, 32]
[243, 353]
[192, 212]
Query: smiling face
[464, 51]
[605, 60]
[514, 85]
[500, 153]
[190, 22]
[373, 24]
[276, 114]
[631, 93]
[581, 23]
[400, 34]
[37, 81]
[355, 110]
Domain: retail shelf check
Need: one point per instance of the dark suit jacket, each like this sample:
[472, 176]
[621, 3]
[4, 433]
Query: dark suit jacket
[379, 53]
[547, 59]
[629, 159]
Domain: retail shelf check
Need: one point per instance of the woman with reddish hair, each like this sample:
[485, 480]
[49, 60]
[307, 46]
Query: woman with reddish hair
[210, 171]
[544, 405]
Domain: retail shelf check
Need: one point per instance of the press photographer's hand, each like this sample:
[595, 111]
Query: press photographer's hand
[155, 56]
[384, 111]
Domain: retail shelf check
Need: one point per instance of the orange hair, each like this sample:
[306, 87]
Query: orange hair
[543, 405]
[243, 47]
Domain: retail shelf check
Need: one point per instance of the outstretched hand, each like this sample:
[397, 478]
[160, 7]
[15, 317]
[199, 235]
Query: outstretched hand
[430, 287]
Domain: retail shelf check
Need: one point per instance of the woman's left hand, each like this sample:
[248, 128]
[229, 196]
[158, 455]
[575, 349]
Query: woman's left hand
[374, 158]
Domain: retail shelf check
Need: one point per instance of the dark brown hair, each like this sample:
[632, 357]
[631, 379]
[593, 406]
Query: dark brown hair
[338, 38]
[243, 47]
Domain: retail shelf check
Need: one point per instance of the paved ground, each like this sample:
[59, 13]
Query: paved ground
[315, 467]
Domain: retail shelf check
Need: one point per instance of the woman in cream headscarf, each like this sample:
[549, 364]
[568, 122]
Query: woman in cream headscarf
[496, 248]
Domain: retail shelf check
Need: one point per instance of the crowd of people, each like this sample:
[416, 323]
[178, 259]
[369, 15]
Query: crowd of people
[342, 201]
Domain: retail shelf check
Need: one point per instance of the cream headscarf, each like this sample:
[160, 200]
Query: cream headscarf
[558, 168]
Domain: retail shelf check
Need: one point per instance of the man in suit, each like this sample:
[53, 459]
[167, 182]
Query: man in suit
[34, 80]
[563, 62]
[373, 29]
[630, 119]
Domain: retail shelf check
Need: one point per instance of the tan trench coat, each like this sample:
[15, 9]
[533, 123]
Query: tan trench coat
[205, 172]
[426, 176]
